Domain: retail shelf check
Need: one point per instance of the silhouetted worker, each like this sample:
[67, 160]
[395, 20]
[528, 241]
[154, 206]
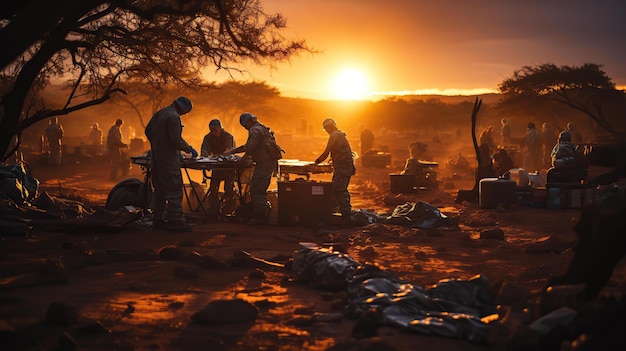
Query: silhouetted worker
[505, 132]
[257, 147]
[54, 133]
[164, 131]
[216, 142]
[548, 137]
[532, 149]
[115, 146]
[577, 138]
[485, 150]
[367, 140]
[95, 138]
[343, 167]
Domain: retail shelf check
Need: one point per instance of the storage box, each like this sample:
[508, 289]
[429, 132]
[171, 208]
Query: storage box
[539, 197]
[306, 203]
[377, 160]
[493, 192]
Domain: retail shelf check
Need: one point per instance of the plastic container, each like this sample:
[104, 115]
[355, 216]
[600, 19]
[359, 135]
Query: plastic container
[494, 191]
[520, 177]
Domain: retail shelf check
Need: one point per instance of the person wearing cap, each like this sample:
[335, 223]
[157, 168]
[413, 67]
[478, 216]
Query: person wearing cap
[115, 146]
[164, 131]
[216, 142]
[265, 164]
[532, 149]
[340, 153]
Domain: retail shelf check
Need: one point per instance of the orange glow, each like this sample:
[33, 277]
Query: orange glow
[350, 84]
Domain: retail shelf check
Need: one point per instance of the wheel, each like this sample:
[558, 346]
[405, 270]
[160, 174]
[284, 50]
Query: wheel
[129, 192]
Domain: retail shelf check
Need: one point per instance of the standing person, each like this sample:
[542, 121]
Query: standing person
[260, 138]
[343, 167]
[367, 140]
[95, 137]
[577, 138]
[164, 131]
[532, 149]
[548, 138]
[216, 142]
[54, 133]
[115, 146]
[505, 132]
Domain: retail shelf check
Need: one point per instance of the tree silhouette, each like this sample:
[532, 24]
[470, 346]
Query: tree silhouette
[584, 88]
[93, 44]
[232, 98]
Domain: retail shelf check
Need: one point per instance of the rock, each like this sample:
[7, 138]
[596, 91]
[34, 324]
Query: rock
[495, 233]
[226, 311]
[185, 272]
[257, 274]
[168, 253]
[61, 313]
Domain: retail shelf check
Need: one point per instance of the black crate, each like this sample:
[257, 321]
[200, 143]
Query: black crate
[306, 203]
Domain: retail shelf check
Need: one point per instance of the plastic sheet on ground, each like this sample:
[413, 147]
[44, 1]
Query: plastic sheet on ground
[451, 308]
[417, 215]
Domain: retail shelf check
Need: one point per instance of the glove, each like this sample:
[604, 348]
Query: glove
[180, 156]
[194, 153]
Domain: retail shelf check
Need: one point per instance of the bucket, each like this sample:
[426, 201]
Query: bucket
[403, 183]
[494, 191]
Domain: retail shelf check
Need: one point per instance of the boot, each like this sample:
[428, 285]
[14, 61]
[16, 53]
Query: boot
[178, 226]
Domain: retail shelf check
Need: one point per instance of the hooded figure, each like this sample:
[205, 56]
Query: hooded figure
[564, 152]
[343, 167]
[164, 131]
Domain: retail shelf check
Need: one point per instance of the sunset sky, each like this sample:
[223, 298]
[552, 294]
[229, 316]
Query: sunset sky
[448, 46]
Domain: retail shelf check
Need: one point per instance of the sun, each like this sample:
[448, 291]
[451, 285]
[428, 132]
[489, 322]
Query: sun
[350, 84]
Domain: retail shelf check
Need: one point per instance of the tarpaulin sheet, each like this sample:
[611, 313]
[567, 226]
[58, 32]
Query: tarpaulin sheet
[451, 308]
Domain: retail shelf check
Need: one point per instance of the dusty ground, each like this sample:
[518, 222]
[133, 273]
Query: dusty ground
[142, 301]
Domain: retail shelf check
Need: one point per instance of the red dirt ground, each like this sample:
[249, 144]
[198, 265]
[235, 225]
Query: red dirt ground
[105, 273]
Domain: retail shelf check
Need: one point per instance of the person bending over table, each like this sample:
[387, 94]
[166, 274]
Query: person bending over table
[164, 131]
[216, 142]
[256, 147]
[343, 167]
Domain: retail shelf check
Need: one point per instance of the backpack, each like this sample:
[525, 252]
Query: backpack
[273, 149]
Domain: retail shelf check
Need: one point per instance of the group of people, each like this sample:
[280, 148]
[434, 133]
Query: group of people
[539, 149]
[164, 132]
[55, 133]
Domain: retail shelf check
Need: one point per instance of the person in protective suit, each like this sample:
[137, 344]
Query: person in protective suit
[343, 167]
[115, 146]
[54, 133]
[257, 147]
[216, 142]
[164, 131]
